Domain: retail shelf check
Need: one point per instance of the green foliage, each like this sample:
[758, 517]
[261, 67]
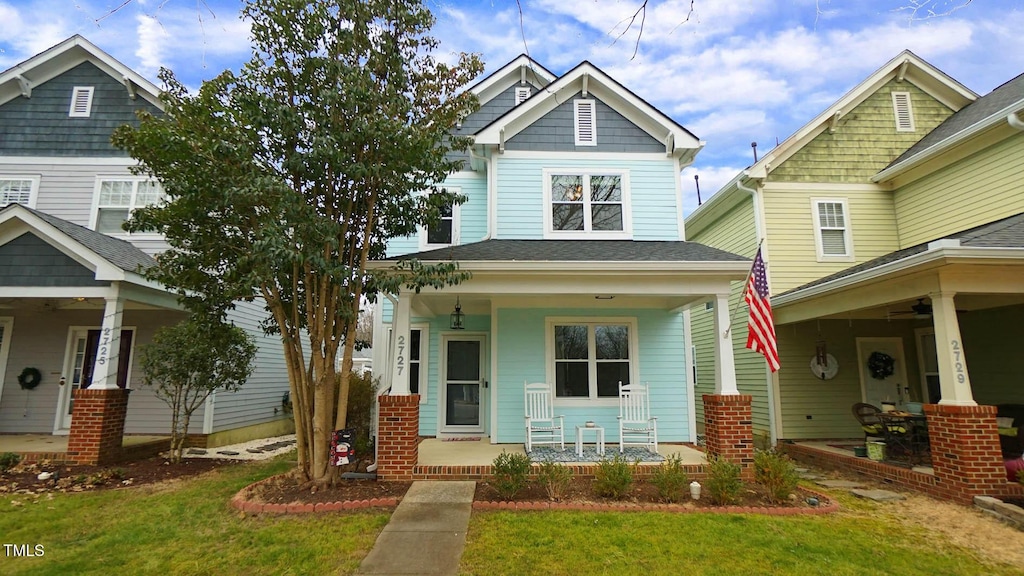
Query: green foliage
[671, 479]
[8, 460]
[723, 483]
[511, 473]
[555, 479]
[362, 396]
[1020, 477]
[776, 473]
[614, 478]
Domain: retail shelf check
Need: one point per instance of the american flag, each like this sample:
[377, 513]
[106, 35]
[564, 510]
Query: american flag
[761, 327]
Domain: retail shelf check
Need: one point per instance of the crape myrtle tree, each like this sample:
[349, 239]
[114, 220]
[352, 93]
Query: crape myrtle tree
[284, 180]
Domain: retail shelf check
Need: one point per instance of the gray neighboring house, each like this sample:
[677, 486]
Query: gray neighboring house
[69, 273]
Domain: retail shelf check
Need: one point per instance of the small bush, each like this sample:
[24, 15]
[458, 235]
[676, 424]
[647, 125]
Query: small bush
[670, 479]
[776, 473]
[362, 398]
[614, 478]
[555, 479]
[8, 460]
[511, 473]
[723, 483]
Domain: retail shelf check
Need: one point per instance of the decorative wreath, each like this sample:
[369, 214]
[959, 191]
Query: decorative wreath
[881, 365]
[29, 378]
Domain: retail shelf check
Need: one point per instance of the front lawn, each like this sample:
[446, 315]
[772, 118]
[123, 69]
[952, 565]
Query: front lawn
[183, 527]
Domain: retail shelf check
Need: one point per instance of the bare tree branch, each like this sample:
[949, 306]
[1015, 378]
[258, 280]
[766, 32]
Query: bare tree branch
[641, 13]
[928, 9]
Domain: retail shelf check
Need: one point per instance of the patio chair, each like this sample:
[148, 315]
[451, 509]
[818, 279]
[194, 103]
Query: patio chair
[542, 426]
[867, 415]
[636, 425]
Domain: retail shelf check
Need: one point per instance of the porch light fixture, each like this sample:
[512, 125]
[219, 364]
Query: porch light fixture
[457, 316]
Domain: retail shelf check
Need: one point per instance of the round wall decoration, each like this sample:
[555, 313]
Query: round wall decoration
[881, 365]
[29, 378]
[826, 371]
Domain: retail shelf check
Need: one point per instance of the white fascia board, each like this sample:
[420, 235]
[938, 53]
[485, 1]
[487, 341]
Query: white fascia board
[937, 255]
[510, 74]
[609, 268]
[949, 142]
[57, 292]
[99, 161]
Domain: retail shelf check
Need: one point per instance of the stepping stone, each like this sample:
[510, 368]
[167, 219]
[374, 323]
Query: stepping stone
[228, 452]
[800, 470]
[196, 451]
[254, 451]
[809, 476]
[839, 484]
[877, 495]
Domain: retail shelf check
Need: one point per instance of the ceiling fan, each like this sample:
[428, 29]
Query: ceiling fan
[919, 310]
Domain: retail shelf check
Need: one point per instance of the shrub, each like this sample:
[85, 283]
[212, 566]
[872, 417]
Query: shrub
[511, 473]
[555, 479]
[362, 398]
[670, 479]
[723, 483]
[614, 478]
[8, 460]
[776, 473]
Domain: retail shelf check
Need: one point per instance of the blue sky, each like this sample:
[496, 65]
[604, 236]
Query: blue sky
[734, 72]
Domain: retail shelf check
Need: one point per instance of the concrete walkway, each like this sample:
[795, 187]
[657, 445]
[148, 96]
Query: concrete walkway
[426, 533]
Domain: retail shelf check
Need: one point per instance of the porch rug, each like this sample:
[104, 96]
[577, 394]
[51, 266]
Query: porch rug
[632, 453]
[461, 439]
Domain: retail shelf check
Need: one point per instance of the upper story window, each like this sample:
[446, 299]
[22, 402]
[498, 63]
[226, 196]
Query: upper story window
[444, 232]
[832, 230]
[18, 190]
[587, 204]
[585, 116]
[522, 93]
[118, 196]
[81, 102]
[904, 111]
[590, 358]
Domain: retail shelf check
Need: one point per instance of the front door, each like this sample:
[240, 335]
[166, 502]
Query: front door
[462, 384]
[79, 365]
[892, 388]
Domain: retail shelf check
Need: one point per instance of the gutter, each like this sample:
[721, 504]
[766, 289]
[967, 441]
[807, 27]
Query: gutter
[1014, 121]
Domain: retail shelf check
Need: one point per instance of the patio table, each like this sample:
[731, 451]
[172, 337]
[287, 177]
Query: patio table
[599, 434]
[905, 433]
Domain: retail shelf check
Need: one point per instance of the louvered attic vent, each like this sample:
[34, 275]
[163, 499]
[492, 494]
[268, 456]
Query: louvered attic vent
[586, 122]
[81, 102]
[904, 113]
[522, 93]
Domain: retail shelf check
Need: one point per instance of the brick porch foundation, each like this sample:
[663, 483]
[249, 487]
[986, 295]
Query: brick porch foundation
[965, 450]
[97, 425]
[728, 430]
[398, 428]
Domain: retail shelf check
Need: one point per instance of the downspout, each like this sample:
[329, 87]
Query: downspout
[755, 199]
[1014, 121]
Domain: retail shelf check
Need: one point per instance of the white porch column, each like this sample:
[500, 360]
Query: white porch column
[725, 365]
[400, 350]
[954, 381]
[104, 374]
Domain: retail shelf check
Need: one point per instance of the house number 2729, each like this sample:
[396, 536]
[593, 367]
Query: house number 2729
[958, 361]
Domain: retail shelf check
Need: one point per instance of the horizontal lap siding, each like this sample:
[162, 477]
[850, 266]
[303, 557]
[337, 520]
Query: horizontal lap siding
[472, 217]
[981, 188]
[662, 365]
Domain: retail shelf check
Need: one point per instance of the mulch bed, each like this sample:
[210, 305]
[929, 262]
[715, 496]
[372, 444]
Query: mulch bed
[24, 478]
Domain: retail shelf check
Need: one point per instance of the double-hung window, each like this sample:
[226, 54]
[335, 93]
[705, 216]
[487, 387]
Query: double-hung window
[445, 230]
[418, 360]
[832, 230]
[18, 190]
[587, 204]
[590, 358]
[119, 196]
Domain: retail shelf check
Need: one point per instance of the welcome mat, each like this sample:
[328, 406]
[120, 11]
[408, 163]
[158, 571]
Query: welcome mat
[631, 454]
[461, 439]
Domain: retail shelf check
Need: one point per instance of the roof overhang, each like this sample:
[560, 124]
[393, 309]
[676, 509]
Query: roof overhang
[522, 69]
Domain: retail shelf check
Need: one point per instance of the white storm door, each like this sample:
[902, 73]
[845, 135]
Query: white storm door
[462, 384]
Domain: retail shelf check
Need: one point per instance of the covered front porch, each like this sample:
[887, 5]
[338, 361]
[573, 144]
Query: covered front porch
[49, 447]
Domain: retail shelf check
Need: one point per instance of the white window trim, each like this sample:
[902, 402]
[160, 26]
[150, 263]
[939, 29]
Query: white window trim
[590, 321]
[95, 211]
[33, 193]
[576, 105]
[424, 358]
[7, 322]
[627, 215]
[522, 94]
[910, 127]
[847, 231]
[456, 221]
[72, 111]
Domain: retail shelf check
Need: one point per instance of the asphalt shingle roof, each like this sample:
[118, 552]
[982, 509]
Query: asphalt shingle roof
[578, 251]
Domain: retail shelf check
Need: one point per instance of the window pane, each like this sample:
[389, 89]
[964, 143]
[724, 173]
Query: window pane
[612, 342]
[116, 193]
[567, 216]
[109, 220]
[440, 233]
[414, 377]
[463, 405]
[609, 374]
[572, 380]
[464, 360]
[928, 350]
[830, 214]
[571, 342]
[15, 192]
[414, 344]
[148, 193]
[606, 188]
[833, 242]
[566, 188]
[606, 217]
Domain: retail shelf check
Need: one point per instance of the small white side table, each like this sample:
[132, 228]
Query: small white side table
[599, 433]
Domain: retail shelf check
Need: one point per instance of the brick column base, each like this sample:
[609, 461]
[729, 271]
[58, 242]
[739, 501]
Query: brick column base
[729, 430]
[965, 451]
[97, 425]
[398, 430]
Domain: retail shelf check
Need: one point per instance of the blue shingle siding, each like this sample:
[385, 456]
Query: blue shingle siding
[554, 132]
[40, 126]
[488, 111]
[29, 261]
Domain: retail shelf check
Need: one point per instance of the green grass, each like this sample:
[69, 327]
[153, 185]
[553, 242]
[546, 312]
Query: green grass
[181, 528]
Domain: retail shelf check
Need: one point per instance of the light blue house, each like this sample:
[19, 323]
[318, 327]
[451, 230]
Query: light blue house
[581, 275]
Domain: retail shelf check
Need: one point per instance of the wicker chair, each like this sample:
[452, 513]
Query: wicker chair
[867, 415]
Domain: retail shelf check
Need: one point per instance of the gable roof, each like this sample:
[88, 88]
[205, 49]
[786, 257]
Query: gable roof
[521, 69]
[990, 110]
[563, 251]
[19, 79]
[587, 78]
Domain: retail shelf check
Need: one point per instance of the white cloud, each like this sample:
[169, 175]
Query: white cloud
[711, 179]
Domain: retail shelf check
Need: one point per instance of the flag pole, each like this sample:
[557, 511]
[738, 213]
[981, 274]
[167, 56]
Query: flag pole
[746, 282]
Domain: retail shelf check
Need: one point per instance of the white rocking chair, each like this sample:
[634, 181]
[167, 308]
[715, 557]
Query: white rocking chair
[636, 425]
[542, 426]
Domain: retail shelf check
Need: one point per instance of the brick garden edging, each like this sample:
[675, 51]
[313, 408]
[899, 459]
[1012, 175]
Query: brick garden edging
[241, 501]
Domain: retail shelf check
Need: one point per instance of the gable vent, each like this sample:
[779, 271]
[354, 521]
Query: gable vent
[904, 113]
[522, 93]
[586, 120]
[81, 102]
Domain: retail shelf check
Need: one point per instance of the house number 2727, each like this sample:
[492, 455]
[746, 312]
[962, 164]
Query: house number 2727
[958, 361]
[400, 355]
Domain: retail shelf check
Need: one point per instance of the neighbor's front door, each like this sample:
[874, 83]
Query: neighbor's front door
[79, 367]
[893, 388]
[462, 384]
